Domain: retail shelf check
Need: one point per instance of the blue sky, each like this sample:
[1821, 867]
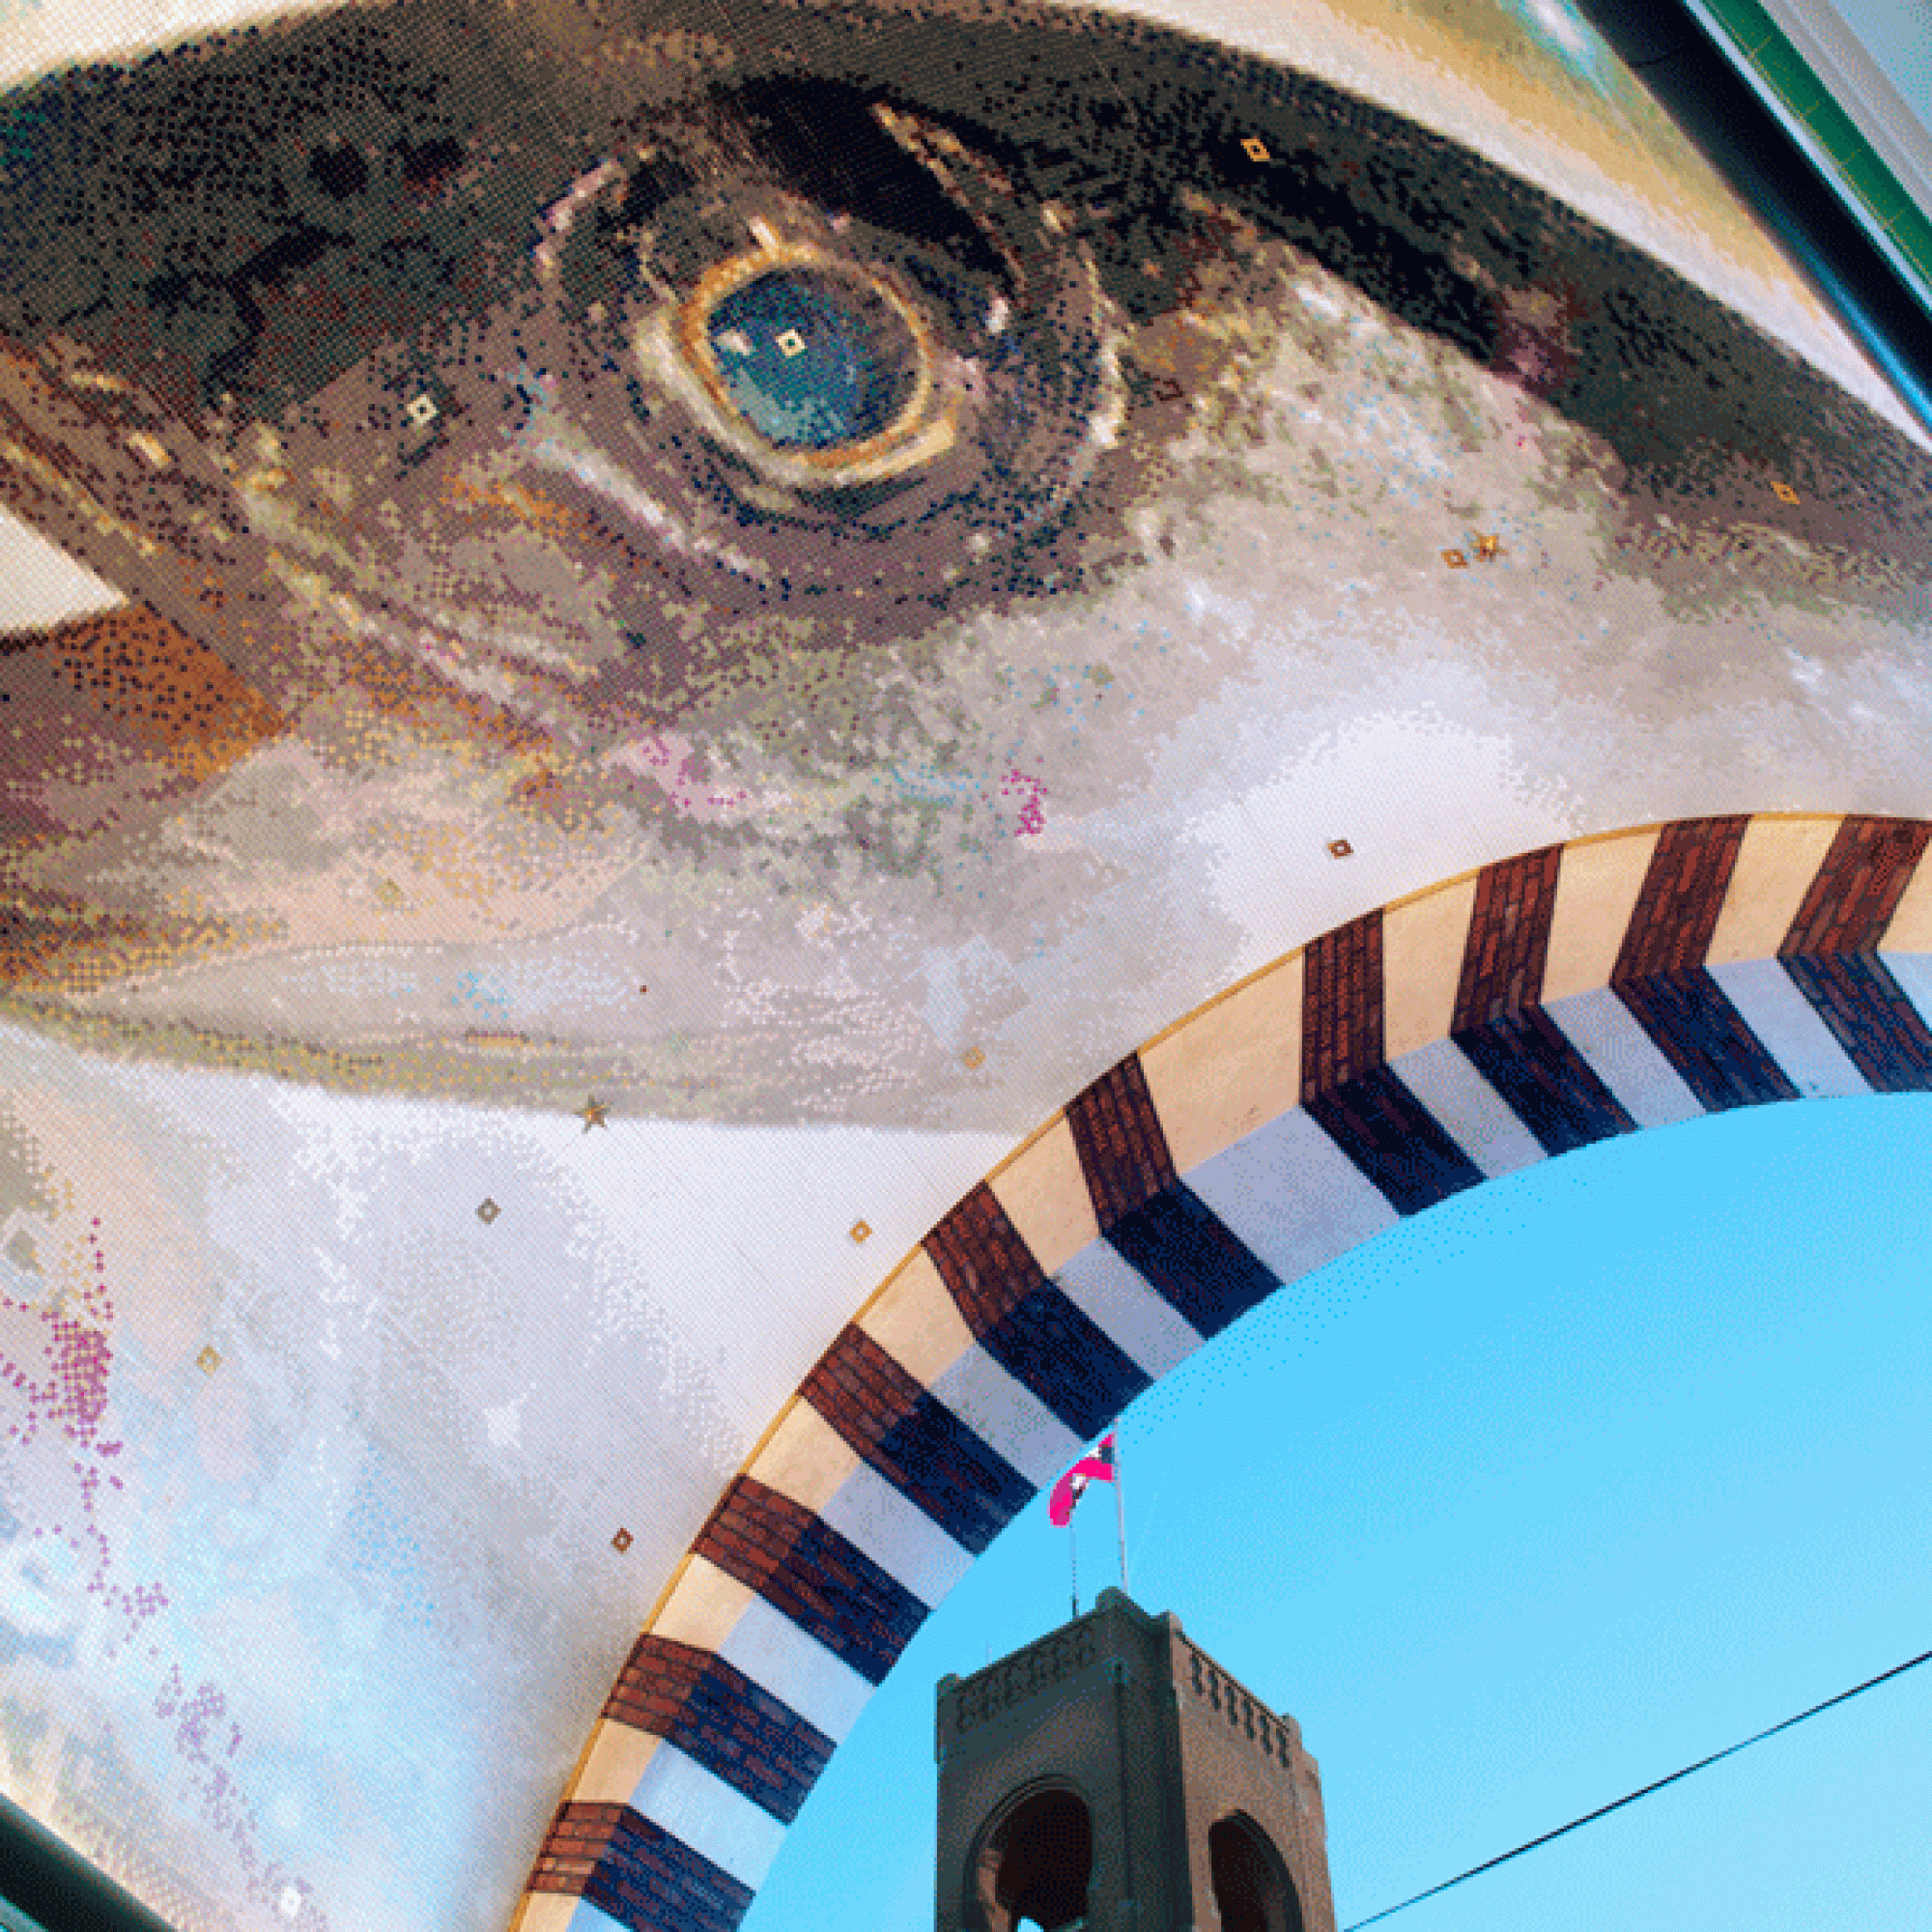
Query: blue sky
[1536, 1497]
[1897, 33]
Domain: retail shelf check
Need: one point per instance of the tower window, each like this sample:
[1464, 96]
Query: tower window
[1035, 1868]
[1252, 1888]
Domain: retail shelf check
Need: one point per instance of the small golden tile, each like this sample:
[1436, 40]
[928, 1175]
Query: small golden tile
[1340, 848]
[1256, 149]
[208, 1361]
[621, 1542]
[594, 1113]
[971, 1059]
[488, 1212]
[1455, 560]
[1784, 493]
[862, 1231]
[421, 410]
[1487, 547]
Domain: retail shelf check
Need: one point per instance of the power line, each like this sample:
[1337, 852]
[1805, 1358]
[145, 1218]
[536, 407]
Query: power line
[1631, 1797]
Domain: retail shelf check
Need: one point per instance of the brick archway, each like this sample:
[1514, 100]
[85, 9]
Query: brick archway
[1628, 980]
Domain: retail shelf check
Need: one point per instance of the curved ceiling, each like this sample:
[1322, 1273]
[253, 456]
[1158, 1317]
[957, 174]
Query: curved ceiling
[574, 841]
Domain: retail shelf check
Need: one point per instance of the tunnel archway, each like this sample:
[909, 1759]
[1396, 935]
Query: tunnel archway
[1532, 1008]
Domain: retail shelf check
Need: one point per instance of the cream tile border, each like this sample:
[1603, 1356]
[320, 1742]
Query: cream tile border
[1230, 1068]
[804, 1459]
[1776, 864]
[917, 1322]
[619, 1755]
[1597, 887]
[1423, 943]
[545, 1912]
[703, 1606]
[1043, 1193]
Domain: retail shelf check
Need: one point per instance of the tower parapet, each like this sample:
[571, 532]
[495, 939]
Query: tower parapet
[1111, 1774]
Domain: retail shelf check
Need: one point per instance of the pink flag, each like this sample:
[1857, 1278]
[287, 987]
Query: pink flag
[1073, 1485]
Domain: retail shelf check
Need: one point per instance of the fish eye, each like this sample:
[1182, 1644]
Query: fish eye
[808, 358]
[849, 384]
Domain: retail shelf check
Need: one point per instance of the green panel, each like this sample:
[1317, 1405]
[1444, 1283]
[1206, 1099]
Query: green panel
[1854, 169]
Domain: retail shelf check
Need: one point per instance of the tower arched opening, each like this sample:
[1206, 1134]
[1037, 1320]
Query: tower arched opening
[1035, 1864]
[1253, 1892]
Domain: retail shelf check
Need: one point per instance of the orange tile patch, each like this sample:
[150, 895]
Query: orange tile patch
[164, 685]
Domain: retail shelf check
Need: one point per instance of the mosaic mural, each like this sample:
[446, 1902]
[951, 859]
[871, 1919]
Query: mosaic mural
[711, 610]
[757, 521]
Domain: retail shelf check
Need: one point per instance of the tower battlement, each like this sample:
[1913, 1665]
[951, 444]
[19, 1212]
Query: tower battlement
[1112, 1773]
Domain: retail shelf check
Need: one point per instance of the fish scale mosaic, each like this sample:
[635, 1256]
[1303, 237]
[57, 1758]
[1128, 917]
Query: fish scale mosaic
[746, 751]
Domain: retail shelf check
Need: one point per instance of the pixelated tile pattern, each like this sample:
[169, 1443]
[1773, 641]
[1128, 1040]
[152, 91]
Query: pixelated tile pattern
[638, 1872]
[1187, 1255]
[1509, 939]
[1123, 1150]
[914, 1441]
[1858, 886]
[1831, 952]
[1547, 1083]
[1025, 1323]
[1192, 1260]
[167, 688]
[1681, 895]
[805, 1569]
[1499, 1024]
[712, 1712]
[1705, 1038]
[1342, 1005]
[1881, 1031]
[1663, 982]
[1393, 1140]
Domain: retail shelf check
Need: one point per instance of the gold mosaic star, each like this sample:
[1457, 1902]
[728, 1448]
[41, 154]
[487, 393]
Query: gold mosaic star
[596, 1113]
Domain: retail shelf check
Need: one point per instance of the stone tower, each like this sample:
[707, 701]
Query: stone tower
[1112, 1777]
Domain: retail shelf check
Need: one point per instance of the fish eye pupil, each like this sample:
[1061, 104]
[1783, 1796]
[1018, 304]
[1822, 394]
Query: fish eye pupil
[812, 360]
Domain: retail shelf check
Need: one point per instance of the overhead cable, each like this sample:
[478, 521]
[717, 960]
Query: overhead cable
[1631, 1797]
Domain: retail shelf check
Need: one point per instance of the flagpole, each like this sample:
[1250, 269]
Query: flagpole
[1073, 1566]
[1121, 1511]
